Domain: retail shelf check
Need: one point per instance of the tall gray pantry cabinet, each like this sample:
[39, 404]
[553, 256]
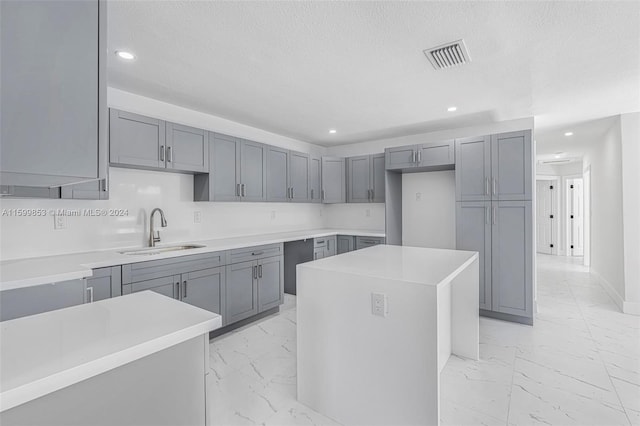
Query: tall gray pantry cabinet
[494, 180]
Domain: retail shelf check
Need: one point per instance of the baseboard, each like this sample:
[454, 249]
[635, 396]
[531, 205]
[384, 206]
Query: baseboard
[617, 299]
[631, 308]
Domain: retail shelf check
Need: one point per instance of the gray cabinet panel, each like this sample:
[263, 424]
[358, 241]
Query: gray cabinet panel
[511, 166]
[187, 148]
[400, 157]
[364, 242]
[332, 246]
[22, 302]
[315, 176]
[333, 180]
[168, 286]
[377, 178]
[358, 183]
[205, 289]
[270, 283]
[225, 167]
[512, 261]
[319, 253]
[473, 168]
[241, 291]
[96, 190]
[136, 140]
[105, 283]
[277, 179]
[53, 84]
[473, 233]
[254, 252]
[345, 243]
[436, 154]
[299, 177]
[253, 171]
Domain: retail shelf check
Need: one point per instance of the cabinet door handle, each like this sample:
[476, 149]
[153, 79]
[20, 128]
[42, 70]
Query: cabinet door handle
[255, 272]
[237, 189]
[257, 253]
[413, 156]
[260, 271]
[419, 156]
[293, 193]
[486, 215]
[486, 189]
[184, 295]
[161, 152]
[494, 186]
[328, 245]
[312, 194]
[169, 155]
[90, 291]
[178, 290]
[243, 189]
[323, 198]
[494, 215]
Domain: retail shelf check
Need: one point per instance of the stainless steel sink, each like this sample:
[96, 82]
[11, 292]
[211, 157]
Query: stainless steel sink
[157, 250]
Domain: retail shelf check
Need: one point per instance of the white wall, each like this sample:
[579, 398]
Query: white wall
[366, 216]
[429, 209]
[607, 250]
[139, 191]
[630, 135]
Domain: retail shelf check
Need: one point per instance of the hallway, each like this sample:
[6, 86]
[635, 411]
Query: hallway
[578, 365]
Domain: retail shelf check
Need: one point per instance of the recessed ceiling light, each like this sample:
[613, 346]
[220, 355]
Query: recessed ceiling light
[332, 131]
[451, 109]
[569, 134]
[123, 54]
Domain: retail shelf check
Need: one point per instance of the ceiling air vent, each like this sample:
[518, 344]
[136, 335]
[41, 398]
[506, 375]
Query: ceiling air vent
[448, 55]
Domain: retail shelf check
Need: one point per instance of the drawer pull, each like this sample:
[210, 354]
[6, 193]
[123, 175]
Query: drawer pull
[257, 253]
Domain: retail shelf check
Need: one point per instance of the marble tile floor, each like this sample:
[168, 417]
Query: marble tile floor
[578, 365]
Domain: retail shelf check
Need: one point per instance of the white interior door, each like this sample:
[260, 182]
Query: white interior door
[576, 217]
[545, 217]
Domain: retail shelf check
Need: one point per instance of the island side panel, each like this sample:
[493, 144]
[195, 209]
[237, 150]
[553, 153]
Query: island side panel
[358, 368]
[465, 320]
[164, 388]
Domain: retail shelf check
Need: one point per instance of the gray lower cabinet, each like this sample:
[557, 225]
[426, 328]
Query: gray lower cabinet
[205, 289]
[501, 232]
[319, 253]
[278, 188]
[315, 178]
[473, 233]
[365, 178]
[333, 180]
[22, 302]
[105, 283]
[345, 243]
[136, 140]
[53, 98]
[187, 148]
[270, 283]
[168, 286]
[364, 242]
[325, 247]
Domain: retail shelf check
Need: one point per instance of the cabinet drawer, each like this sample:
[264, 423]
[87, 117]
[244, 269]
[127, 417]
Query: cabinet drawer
[160, 268]
[254, 253]
[363, 242]
[320, 242]
[168, 286]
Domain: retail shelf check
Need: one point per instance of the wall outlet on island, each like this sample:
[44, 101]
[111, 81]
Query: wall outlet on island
[197, 216]
[379, 304]
[59, 222]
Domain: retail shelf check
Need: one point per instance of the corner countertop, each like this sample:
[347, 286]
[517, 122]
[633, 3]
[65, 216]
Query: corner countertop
[28, 272]
[427, 266]
[44, 353]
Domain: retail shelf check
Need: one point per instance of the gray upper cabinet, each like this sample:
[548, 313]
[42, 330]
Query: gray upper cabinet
[512, 259]
[333, 180]
[423, 157]
[136, 140]
[241, 291]
[187, 148]
[105, 283]
[277, 174]
[473, 233]
[511, 162]
[400, 157]
[299, 177]
[205, 289]
[365, 179]
[270, 283]
[53, 98]
[25, 301]
[473, 169]
[436, 154]
[315, 177]
[253, 171]
[223, 181]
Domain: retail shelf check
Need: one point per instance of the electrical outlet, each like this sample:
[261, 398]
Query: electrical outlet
[197, 216]
[367, 212]
[273, 214]
[59, 222]
[418, 196]
[379, 304]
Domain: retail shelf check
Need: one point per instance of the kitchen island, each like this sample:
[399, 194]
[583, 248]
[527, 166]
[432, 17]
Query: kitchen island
[137, 359]
[375, 328]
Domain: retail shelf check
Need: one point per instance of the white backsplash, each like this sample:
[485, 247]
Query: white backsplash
[139, 191]
[365, 216]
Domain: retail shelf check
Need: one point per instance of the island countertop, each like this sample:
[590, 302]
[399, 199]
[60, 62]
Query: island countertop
[428, 266]
[43, 353]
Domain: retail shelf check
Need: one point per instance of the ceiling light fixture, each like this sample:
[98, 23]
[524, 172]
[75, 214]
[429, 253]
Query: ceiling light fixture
[451, 109]
[332, 131]
[123, 54]
[569, 134]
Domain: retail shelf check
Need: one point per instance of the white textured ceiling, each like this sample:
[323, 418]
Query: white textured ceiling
[300, 68]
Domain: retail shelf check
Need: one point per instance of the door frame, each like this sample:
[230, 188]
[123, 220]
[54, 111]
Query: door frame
[566, 222]
[586, 208]
[556, 250]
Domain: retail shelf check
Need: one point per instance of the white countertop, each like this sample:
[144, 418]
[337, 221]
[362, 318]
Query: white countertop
[43, 353]
[43, 270]
[427, 266]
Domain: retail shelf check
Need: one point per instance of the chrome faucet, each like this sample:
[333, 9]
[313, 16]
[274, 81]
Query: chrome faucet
[153, 239]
